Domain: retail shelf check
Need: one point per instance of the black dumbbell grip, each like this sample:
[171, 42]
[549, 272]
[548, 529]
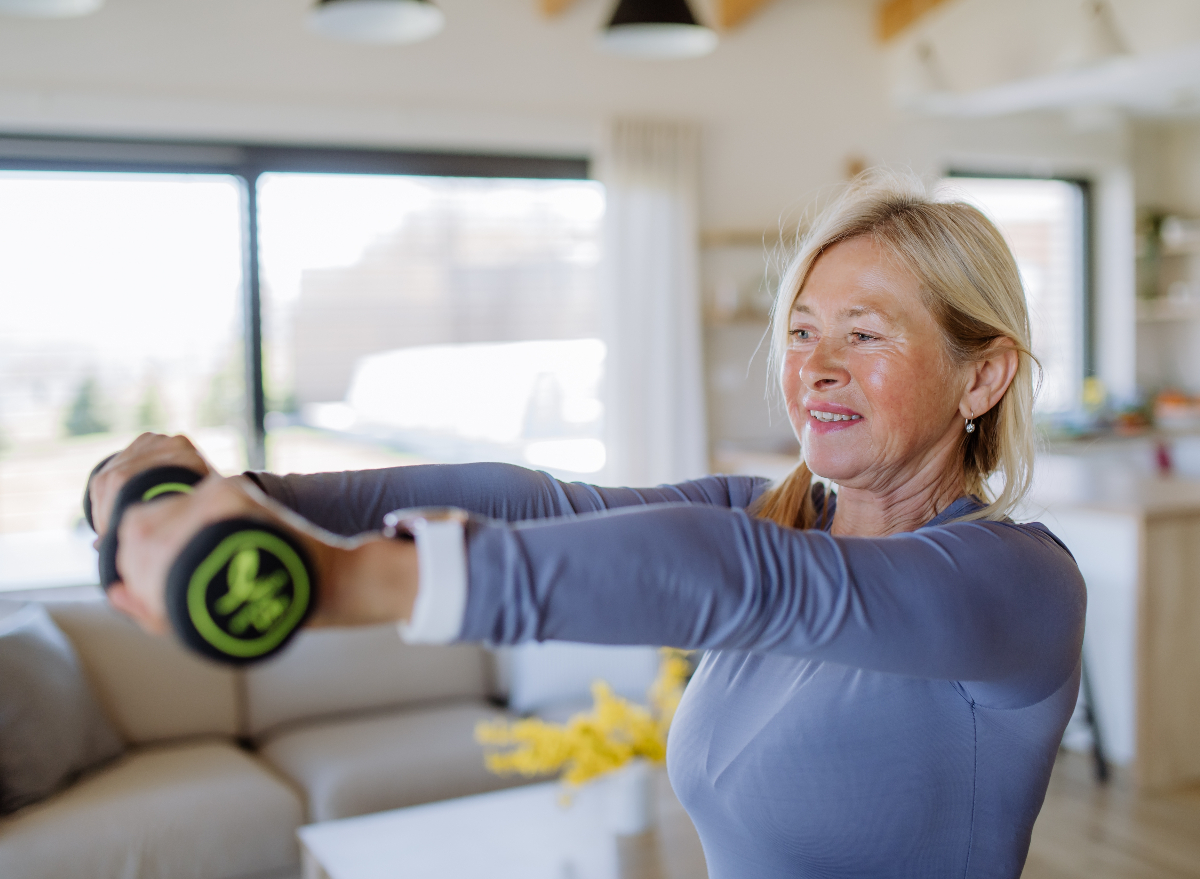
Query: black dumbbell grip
[145, 487]
[87, 491]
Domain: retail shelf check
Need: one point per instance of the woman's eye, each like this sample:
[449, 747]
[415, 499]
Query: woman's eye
[862, 337]
[799, 334]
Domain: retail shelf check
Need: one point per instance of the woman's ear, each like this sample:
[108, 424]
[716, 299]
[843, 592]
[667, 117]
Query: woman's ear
[989, 377]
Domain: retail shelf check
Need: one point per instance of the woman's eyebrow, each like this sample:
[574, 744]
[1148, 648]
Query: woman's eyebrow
[863, 310]
[851, 312]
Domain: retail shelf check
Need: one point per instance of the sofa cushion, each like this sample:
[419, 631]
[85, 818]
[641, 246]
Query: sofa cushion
[384, 761]
[326, 672]
[51, 726]
[202, 810]
[153, 688]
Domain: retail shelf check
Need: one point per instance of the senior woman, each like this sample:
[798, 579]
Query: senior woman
[888, 670]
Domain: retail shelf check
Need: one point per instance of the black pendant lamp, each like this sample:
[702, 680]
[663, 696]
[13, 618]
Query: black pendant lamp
[376, 21]
[657, 29]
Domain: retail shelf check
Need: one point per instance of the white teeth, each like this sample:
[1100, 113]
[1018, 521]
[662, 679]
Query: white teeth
[832, 416]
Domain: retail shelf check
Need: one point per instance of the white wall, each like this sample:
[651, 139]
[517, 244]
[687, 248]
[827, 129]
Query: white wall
[1166, 164]
[783, 102]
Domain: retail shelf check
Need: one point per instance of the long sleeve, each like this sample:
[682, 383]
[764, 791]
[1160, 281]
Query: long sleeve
[354, 502]
[996, 606]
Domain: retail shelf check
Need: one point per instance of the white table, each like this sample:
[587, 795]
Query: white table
[522, 833]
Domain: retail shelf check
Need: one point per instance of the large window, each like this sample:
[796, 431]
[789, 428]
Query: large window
[449, 318]
[1045, 224]
[119, 312]
[303, 309]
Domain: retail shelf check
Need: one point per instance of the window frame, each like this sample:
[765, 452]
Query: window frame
[246, 162]
[1086, 189]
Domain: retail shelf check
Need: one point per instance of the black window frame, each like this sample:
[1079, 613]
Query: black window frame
[247, 162]
[1087, 256]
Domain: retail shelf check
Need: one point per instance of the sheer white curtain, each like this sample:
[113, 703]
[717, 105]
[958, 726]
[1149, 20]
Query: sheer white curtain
[655, 418]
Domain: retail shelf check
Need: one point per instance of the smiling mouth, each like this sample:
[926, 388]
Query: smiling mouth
[827, 417]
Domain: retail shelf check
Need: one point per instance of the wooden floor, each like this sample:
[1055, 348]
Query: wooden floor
[1089, 831]
[1085, 831]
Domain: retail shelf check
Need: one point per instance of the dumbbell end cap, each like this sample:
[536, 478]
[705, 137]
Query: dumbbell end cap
[240, 590]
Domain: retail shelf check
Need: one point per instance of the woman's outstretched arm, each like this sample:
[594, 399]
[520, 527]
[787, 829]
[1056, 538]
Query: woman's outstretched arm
[994, 605]
[355, 502]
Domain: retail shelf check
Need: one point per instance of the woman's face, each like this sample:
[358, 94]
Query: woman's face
[871, 391]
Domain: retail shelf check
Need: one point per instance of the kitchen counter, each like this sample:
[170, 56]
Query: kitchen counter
[1136, 538]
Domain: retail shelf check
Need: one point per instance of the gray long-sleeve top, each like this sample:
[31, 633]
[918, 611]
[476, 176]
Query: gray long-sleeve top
[867, 706]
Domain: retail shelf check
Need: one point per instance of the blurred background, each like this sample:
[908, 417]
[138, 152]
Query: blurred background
[521, 239]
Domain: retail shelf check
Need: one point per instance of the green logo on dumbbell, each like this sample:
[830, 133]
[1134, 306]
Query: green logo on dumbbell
[248, 594]
[167, 488]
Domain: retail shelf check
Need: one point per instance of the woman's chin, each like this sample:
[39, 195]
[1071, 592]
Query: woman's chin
[839, 468]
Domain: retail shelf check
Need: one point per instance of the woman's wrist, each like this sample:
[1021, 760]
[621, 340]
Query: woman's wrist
[373, 581]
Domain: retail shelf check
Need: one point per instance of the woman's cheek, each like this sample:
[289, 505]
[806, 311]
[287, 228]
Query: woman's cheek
[890, 385]
[791, 382]
[789, 377]
[904, 396]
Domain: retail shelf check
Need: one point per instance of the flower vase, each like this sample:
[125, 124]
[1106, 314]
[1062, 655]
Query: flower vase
[627, 798]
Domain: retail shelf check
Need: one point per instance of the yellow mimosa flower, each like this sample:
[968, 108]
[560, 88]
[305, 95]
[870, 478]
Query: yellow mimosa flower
[591, 743]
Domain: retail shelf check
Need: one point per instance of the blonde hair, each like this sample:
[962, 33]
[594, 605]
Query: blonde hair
[971, 286]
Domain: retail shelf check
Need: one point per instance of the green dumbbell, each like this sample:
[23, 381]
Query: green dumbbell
[237, 591]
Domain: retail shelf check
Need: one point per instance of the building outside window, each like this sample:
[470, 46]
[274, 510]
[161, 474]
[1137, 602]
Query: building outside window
[450, 318]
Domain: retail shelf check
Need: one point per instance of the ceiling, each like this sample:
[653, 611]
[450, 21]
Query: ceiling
[1021, 65]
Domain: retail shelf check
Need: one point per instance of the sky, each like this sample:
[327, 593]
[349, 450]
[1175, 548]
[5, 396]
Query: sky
[128, 268]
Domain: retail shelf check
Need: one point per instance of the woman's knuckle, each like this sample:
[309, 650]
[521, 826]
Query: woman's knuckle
[140, 525]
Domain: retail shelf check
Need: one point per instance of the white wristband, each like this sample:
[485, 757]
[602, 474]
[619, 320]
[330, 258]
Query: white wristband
[441, 601]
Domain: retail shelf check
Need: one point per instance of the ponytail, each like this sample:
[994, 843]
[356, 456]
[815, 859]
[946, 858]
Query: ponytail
[790, 503]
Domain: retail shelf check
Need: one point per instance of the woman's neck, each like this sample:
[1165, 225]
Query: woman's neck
[866, 513]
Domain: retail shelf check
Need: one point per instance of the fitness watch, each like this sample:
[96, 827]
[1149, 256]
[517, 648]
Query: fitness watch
[440, 536]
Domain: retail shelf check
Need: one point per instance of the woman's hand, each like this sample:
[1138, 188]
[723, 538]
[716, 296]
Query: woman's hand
[359, 582]
[147, 451]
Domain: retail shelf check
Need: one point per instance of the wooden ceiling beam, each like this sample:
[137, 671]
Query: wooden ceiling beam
[731, 13]
[895, 16]
[551, 8]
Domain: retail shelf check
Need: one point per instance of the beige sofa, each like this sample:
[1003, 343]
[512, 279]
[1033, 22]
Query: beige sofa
[222, 766]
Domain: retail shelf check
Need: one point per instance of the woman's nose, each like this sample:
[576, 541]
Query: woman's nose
[825, 367]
